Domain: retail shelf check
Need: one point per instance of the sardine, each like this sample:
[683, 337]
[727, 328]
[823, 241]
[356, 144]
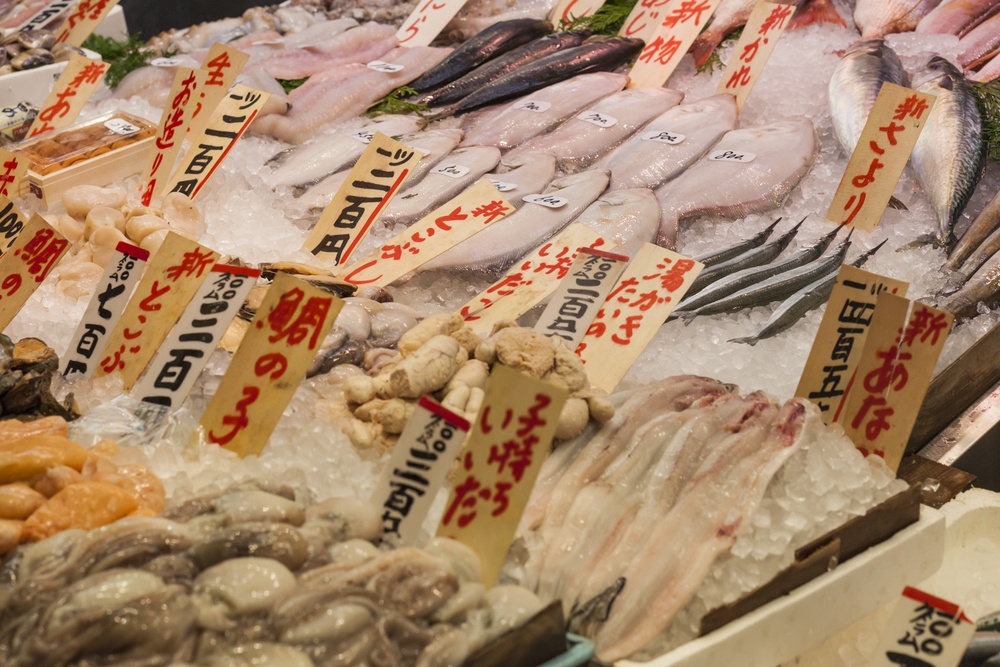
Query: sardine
[753, 256]
[748, 277]
[453, 173]
[878, 18]
[494, 69]
[795, 307]
[505, 241]
[949, 156]
[983, 287]
[979, 241]
[542, 110]
[528, 173]
[495, 40]
[957, 17]
[594, 55]
[599, 128]
[670, 143]
[710, 259]
[626, 217]
[782, 153]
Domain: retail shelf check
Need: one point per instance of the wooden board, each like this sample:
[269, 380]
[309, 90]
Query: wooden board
[426, 21]
[83, 19]
[938, 483]
[668, 41]
[13, 169]
[759, 37]
[70, 94]
[25, 266]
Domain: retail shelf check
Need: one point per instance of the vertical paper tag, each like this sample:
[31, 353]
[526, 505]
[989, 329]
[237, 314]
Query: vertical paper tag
[222, 65]
[924, 631]
[416, 470]
[652, 285]
[266, 370]
[83, 20]
[12, 221]
[567, 10]
[45, 15]
[369, 187]
[894, 371]
[185, 352]
[509, 443]
[174, 123]
[26, 264]
[829, 370]
[464, 216]
[891, 131]
[171, 279]
[667, 41]
[427, 21]
[208, 148]
[13, 167]
[69, 95]
[121, 275]
[529, 281]
[759, 37]
[580, 295]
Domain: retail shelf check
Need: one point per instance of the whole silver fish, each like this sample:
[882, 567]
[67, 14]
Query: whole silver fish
[628, 218]
[979, 241]
[878, 18]
[714, 257]
[855, 84]
[670, 143]
[949, 156]
[795, 307]
[523, 174]
[782, 154]
[753, 255]
[983, 287]
[507, 240]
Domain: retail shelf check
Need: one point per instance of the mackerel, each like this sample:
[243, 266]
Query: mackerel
[753, 256]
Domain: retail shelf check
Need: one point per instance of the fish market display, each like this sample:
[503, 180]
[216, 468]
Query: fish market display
[33, 48]
[878, 18]
[523, 174]
[627, 218]
[979, 242]
[956, 18]
[718, 258]
[357, 45]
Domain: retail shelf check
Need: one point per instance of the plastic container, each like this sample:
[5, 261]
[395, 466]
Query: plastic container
[581, 650]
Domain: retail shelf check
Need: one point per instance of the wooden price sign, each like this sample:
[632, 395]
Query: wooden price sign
[567, 10]
[26, 264]
[174, 123]
[575, 304]
[12, 221]
[464, 216]
[70, 94]
[759, 37]
[222, 65]
[105, 309]
[649, 289]
[83, 20]
[369, 187]
[924, 631]
[185, 352]
[427, 21]
[666, 41]
[208, 148]
[893, 374]
[509, 443]
[530, 280]
[45, 15]
[266, 370]
[13, 168]
[886, 142]
[829, 371]
[171, 279]
[416, 470]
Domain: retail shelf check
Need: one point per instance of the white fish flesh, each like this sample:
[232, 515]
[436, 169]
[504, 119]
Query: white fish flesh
[980, 44]
[453, 174]
[878, 18]
[258, 79]
[670, 143]
[317, 33]
[345, 92]
[358, 45]
[550, 106]
[528, 173]
[601, 127]
[304, 165]
[507, 240]
[782, 153]
[628, 218]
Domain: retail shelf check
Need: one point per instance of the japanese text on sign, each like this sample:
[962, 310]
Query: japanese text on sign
[667, 39]
[173, 126]
[226, 125]
[369, 187]
[222, 65]
[83, 20]
[11, 223]
[509, 442]
[45, 15]
[454, 222]
[171, 279]
[574, 305]
[924, 631]
[26, 264]
[121, 275]
[568, 10]
[418, 467]
[760, 35]
[427, 21]
[529, 281]
[185, 352]
[649, 289]
[72, 90]
[829, 370]
[12, 170]
[269, 365]
[891, 131]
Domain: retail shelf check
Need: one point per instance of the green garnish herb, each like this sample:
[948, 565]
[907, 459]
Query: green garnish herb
[394, 103]
[291, 84]
[124, 55]
[988, 97]
[715, 61]
[607, 20]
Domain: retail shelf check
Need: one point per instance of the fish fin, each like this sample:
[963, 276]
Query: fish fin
[688, 316]
[703, 47]
[442, 113]
[666, 235]
[952, 284]
[749, 340]
[586, 618]
[897, 205]
[817, 11]
[921, 241]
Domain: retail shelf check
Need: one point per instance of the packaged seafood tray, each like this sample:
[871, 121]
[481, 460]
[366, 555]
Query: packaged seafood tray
[101, 151]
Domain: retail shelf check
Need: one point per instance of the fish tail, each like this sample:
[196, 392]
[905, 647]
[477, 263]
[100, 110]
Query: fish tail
[749, 340]
[921, 241]
[816, 11]
[897, 205]
[688, 316]
[587, 618]
[666, 236]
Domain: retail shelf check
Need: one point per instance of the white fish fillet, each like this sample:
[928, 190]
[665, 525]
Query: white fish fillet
[515, 125]
[644, 162]
[627, 217]
[317, 33]
[578, 142]
[358, 45]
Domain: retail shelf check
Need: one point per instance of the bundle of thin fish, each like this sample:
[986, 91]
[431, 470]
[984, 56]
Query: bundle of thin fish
[624, 524]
